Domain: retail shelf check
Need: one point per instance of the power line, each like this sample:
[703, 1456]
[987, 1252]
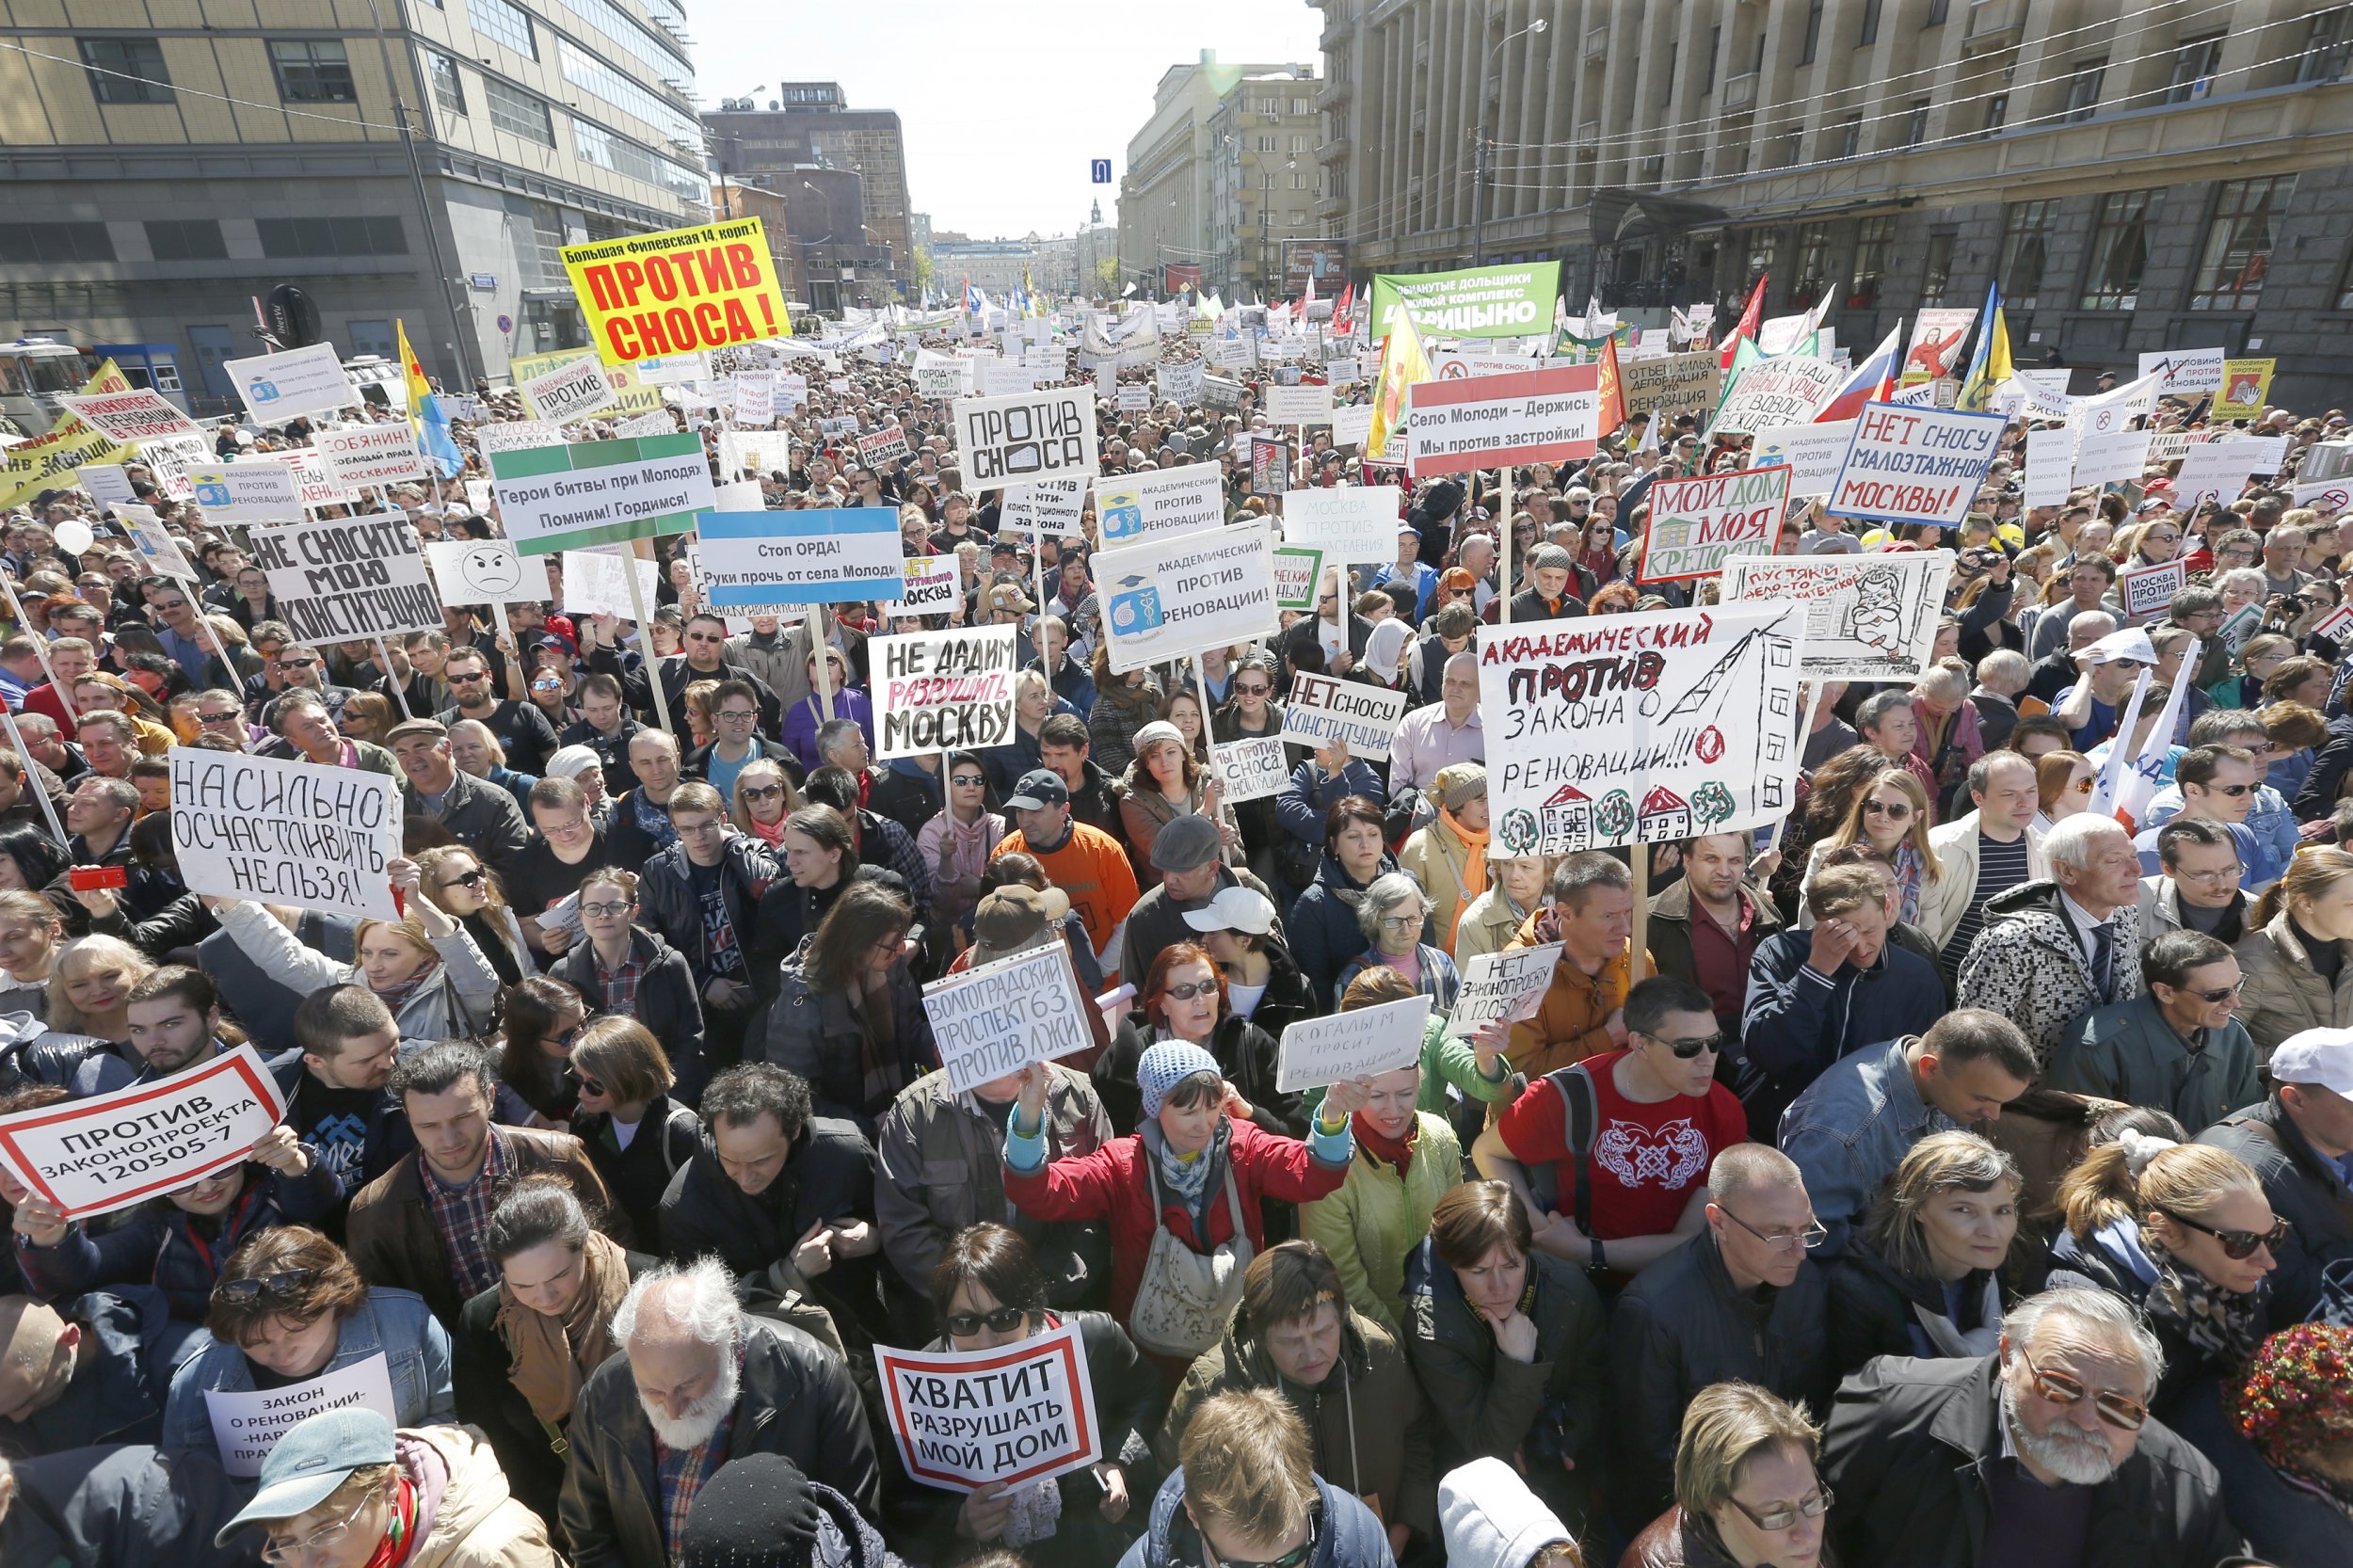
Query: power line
[355, 119]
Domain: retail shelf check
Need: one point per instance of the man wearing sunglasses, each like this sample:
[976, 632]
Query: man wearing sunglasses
[2179, 1046]
[2299, 1143]
[2042, 1453]
[522, 730]
[2219, 785]
[2091, 707]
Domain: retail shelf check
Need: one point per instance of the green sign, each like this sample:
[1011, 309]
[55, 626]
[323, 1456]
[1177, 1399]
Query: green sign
[1296, 570]
[1514, 301]
[555, 498]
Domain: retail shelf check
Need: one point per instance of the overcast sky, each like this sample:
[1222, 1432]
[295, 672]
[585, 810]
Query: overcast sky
[1002, 106]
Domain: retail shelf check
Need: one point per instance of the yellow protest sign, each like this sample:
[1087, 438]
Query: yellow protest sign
[47, 462]
[2245, 385]
[632, 396]
[678, 291]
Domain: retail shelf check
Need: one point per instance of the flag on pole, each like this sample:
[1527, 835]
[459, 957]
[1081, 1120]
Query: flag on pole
[2145, 773]
[424, 410]
[1403, 362]
[1612, 395]
[1990, 366]
[1746, 327]
[1873, 381]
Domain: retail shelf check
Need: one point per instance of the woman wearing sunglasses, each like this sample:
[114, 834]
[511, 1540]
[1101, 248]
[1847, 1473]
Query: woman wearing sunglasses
[763, 799]
[958, 839]
[626, 971]
[289, 1306]
[2063, 782]
[1184, 999]
[538, 1019]
[1925, 1275]
[1748, 1492]
[989, 1293]
[1891, 816]
[1163, 782]
[1250, 712]
[2183, 1232]
[637, 1134]
[454, 879]
[2297, 953]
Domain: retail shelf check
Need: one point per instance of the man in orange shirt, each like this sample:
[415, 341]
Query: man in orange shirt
[1084, 862]
[1591, 917]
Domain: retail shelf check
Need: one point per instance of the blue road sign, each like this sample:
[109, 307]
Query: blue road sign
[1103, 171]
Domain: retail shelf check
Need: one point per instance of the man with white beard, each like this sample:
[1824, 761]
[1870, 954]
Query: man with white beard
[698, 1383]
[2042, 1455]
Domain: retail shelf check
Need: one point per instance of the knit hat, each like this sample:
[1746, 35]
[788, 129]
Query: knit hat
[1549, 557]
[1459, 784]
[1385, 648]
[755, 1512]
[571, 761]
[1166, 1066]
[1153, 734]
[1489, 1518]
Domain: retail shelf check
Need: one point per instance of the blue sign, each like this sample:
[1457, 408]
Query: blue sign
[1103, 171]
[485, 281]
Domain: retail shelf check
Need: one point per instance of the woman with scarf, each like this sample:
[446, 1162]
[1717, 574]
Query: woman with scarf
[538, 1019]
[1123, 704]
[1393, 916]
[958, 839]
[1183, 1196]
[623, 970]
[2287, 1469]
[1250, 712]
[2183, 1232]
[1924, 1277]
[1738, 1438]
[764, 800]
[1163, 782]
[1407, 1159]
[848, 1014]
[525, 1346]
[1891, 816]
[1323, 925]
[1448, 855]
[1185, 998]
[454, 878]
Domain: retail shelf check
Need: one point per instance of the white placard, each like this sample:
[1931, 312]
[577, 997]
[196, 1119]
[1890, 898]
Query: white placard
[260, 489]
[792, 391]
[484, 571]
[2111, 457]
[105, 1152]
[314, 485]
[932, 587]
[154, 541]
[2050, 466]
[1915, 465]
[1342, 371]
[1302, 405]
[278, 388]
[992, 1021]
[1014, 1415]
[1039, 435]
[673, 370]
[572, 391]
[1777, 392]
[1133, 399]
[1253, 769]
[1154, 503]
[2324, 494]
[1049, 507]
[347, 578]
[755, 397]
[170, 461]
[1507, 984]
[1007, 378]
[1868, 617]
[2146, 591]
[2185, 371]
[1316, 1053]
[1351, 425]
[1322, 712]
[1167, 598]
[245, 1427]
[518, 435]
[1181, 384]
[2218, 470]
[656, 422]
[280, 832]
[753, 451]
[1358, 523]
[1537, 416]
[1813, 454]
[935, 377]
[596, 582]
[130, 417]
[370, 453]
[1695, 524]
[942, 690]
[108, 484]
[882, 446]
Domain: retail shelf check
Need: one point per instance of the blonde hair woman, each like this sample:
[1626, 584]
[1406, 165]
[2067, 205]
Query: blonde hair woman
[90, 991]
[455, 879]
[1924, 1278]
[2297, 952]
[764, 796]
[1749, 1491]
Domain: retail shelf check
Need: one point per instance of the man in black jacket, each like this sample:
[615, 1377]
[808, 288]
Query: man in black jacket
[700, 894]
[1741, 1300]
[2042, 1452]
[2298, 1142]
[92, 1368]
[482, 816]
[698, 1383]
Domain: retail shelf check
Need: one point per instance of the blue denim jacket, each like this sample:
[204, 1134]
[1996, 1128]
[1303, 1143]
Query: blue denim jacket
[1851, 1129]
[395, 1322]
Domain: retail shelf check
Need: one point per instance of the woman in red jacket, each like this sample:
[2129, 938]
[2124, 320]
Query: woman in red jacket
[1174, 1191]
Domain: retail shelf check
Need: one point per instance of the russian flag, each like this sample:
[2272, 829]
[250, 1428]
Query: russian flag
[1873, 380]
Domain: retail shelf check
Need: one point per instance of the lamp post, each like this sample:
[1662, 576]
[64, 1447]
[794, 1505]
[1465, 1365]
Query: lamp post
[1478, 181]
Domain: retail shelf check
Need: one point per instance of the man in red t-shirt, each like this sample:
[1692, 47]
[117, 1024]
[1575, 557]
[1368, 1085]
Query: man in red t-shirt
[1661, 1120]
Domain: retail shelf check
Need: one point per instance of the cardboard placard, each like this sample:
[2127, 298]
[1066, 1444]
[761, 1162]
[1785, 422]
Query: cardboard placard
[280, 832]
[1027, 436]
[518, 435]
[1323, 712]
[1301, 404]
[1253, 769]
[568, 392]
[1695, 524]
[2146, 591]
[991, 1021]
[1771, 393]
[258, 489]
[370, 453]
[1167, 598]
[129, 417]
[2185, 371]
[942, 690]
[1915, 465]
[484, 571]
[596, 582]
[1487, 421]
[931, 587]
[349, 578]
[247, 1426]
[1152, 502]
[681, 291]
[279, 388]
[1297, 571]
[1868, 617]
[105, 1152]
[1358, 523]
[810, 557]
[1813, 453]
[1507, 984]
[1316, 1053]
[555, 498]
[1012, 1414]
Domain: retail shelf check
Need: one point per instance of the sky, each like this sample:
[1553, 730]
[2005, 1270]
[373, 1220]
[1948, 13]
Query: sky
[1001, 120]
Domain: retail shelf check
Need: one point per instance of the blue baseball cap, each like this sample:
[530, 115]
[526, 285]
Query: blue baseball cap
[310, 1462]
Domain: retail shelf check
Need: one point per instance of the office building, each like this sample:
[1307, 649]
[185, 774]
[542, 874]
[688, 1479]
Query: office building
[1182, 196]
[771, 137]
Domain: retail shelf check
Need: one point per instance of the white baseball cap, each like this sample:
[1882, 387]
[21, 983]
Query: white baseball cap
[2133, 644]
[2318, 1056]
[1235, 908]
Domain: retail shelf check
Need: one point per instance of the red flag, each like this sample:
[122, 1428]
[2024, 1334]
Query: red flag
[1340, 322]
[1746, 327]
[1612, 403]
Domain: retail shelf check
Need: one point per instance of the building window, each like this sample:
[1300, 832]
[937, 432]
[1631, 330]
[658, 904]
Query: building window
[449, 90]
[1298, 146]
[2026, 247]
[126, 69]
[1850, 136]
[1812, 32]
[1266, 179]
[1813, 267]
[1303, 105]
[1916, 123]
[296, 237]
[2238, 242]
[55, 242]
[1936, 13]
[518, 113]
[2194, 66]
[1266, 144]
[1707, 73]
[2120, 249]
[1874, 243]
[195, 239]
[509, 24]
[1870, 33]
[1996, 112]
[2083, 90]
[2327, 46]
[1936, 267]
[312, 71]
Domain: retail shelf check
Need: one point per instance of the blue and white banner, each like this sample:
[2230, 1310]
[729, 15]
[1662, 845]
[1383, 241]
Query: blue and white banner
[815, 558]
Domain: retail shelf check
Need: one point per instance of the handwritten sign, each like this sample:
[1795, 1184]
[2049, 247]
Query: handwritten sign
[1507, 986]
[1868, 617]
[1323, 711]
[1915, 465]
[2149, 591]
[281, 832]
[1251, 769]
[245, 1427]
[1016, 1414]
[940, 691]
[992, 1021]
[1316, 1053]
[348, 578]
[107, 1152]
[1696, 523]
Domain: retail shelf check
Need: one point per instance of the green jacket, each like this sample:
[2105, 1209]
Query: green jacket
[2127, 1052]
[1365, 1418]
[1378, 1217]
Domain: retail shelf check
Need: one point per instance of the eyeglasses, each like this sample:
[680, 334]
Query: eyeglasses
[1898, 810]
[313, 664]
[219, 718]
[2237, 1245]
[317, 1541]
[1684, 1050]
[1780, 1518]
[1003, 1319]
[968, 781]
[587, 1085]
[1291, 1558]
[605, 911]
[743, 716]
[1812, 1235]
[279, 1286]
[456, 679]
[2159, 538]
[2223, 877]
[1401, 922]
[2061, 1388]
[1188, 989]
[474, 878]
[2234, 791]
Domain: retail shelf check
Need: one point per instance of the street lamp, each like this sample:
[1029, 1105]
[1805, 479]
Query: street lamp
[1478, 181]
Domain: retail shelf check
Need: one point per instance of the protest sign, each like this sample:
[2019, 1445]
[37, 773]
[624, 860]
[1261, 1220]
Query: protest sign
[2326, 495]
[1167, 597]
[1151, 503]
[637, 388]
[1322, 712]
[1181, 384]
[103, 1152]
[657, 423]
[1253, 769]
[1301, 404]
[108, 484]
[2245, 385]
[1296, 570]
[1219, 392]
[2242, 625]
[171, 460]
[1813, 453]
[2050, 466]
[2218, 470]
[1867, 617]
[1674, 383]
[1341, 370]
[247, 1426]
[938, 376]
[154, 541]
[2185, 372]
[1457, 367]
[259, 490]
[128, 417]
[1511, 301]
[1316, 1053]
[1640, 729]
[2167, 446]
[1536, 416]
[315, 485]
[882, 446]
[1506, 986]
[1915, 465]
[370, 453]
[680, 291]
[1037, 435]
[994, 1019]
[277, 388]
[792, 391]
[2111, 457]
[2336, 626]
[555, 498]
[1012, 1415]
[755, 397]
[46, 460]
[1234, 353]
[484, 571]
[516, 435]
[1789, 390]
[1694, 523]
[752, 452]
[568, 392]
[942, 690]
[1049, 507]
[284, 832]
[1270, 466]
[2146, 591]
[596, 582]
[1135, 399]
[813, 557]
[1351, 425]
[1348, 522]
[1007, 378]
[931, 587]
[347, 578]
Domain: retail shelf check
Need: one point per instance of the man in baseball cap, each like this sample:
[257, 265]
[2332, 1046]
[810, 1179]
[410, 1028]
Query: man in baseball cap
[1086, 863]
[2300, 1142]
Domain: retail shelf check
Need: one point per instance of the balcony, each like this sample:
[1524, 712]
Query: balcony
[1596, 43]
[1337, 94]
[1333, 150]
[1739, 94]
[1993, 25]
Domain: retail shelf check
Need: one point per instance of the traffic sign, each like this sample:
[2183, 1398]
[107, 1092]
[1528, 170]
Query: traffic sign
[1103, 171]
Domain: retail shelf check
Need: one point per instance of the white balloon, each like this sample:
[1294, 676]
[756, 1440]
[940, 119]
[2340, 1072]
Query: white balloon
[72, 535]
